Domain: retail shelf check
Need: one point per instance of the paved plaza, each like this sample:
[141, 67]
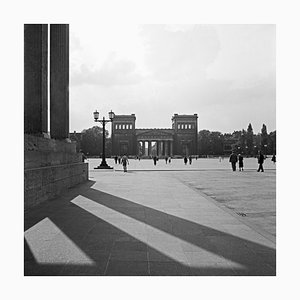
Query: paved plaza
[169, 219]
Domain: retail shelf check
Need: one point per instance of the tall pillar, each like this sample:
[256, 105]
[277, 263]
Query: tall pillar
[171, 148]
[149, 146]
[59, 81]
[157, 148]
[167, 148]
[161, 148]
[144, 149]
[35, 78]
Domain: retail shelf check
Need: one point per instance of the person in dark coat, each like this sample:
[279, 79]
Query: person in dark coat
[116, 159]
[190, 159]
[166, 159]
[125, 162]
[155, 160]
[260, 160]
[233, 159]
[185, 160]
[273, 158]
[241, 162]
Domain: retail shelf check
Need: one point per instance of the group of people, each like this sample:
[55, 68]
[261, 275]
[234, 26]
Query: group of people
[190, 159]
[234, 158]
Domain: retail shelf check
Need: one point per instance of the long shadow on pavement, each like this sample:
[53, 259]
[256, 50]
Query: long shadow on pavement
[116, 252]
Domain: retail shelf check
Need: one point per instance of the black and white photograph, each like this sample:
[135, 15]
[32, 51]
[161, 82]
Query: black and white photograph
[147, 150]
[161, 148]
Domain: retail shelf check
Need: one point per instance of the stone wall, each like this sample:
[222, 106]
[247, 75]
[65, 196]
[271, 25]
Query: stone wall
[51, 167]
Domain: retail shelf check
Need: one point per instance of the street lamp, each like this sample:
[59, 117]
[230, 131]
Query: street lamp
[111, 115]
[265, 148]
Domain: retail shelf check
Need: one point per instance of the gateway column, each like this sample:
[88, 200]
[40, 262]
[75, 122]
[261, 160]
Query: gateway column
[59, 81]
[35, 78]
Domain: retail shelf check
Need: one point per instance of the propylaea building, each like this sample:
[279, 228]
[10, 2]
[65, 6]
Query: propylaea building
[180, 140]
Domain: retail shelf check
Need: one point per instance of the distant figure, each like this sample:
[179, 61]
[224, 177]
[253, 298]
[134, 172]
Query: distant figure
[196, 157]
[169, 160]
[155, 160]
[83, 156]
[116, 159]
[190, 159]
[233, 159]
[220, 158]
[241, 162]
[125, 162]
[119, 159]
[260, 160]
[273, 159]
[139, 158]
[185, 160]
[166, 159]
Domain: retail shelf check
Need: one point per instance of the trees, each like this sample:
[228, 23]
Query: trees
[210, 143]
[272, 142]
[204, 142]
[91, 143]
[249, 140]
[264, 141]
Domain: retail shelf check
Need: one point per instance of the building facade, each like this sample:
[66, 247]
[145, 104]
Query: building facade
[181, 139]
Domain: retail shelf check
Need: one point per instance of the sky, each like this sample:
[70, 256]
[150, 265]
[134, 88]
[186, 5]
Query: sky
[224, 73]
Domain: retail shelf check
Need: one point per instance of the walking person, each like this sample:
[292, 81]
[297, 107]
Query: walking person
[125, 162]
[119, 160]
[241, 162]
[190, 159]
[233, 159]
[273, 159]
[116, 159]
[185, 160]
[155, 160]
[166, 159]
[260, 160]
[169, 159]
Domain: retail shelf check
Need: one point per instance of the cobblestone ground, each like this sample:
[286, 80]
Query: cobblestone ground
[248, 193]
[157, 220]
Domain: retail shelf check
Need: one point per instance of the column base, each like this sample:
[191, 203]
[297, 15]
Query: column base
[103, 167]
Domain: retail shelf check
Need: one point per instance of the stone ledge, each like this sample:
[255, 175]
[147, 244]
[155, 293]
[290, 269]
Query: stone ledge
[41, 184]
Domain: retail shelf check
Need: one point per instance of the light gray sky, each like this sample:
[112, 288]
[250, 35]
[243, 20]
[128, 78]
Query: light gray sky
[224, 73]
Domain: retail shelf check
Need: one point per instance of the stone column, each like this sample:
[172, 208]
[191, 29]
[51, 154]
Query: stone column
[149, 148]
[161, 148]
[144, 149]
[167, 148]
[157, 148]
[171, 148]
[59, 81]
[35, 78]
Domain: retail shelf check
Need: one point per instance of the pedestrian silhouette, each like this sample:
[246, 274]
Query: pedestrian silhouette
[190, 159]
[241, 162]
[119, 159]
[233, 159]
[116, 159]
[155, 160]
[185, 160]
[166, 159]
[260, 160]
[273, 158]
[169, 160]
[125, 162]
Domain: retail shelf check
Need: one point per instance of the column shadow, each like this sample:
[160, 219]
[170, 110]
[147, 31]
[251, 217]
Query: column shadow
[116, 252]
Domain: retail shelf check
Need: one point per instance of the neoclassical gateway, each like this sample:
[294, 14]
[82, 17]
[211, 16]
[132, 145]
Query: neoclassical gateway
[181, 139]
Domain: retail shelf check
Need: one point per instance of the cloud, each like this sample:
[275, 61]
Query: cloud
[113, 72]
[179, 52]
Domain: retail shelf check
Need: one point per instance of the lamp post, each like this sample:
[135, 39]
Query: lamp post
[265, 149]
[111, 115]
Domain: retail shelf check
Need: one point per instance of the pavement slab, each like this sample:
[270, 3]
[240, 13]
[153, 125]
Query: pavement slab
[148, 224]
